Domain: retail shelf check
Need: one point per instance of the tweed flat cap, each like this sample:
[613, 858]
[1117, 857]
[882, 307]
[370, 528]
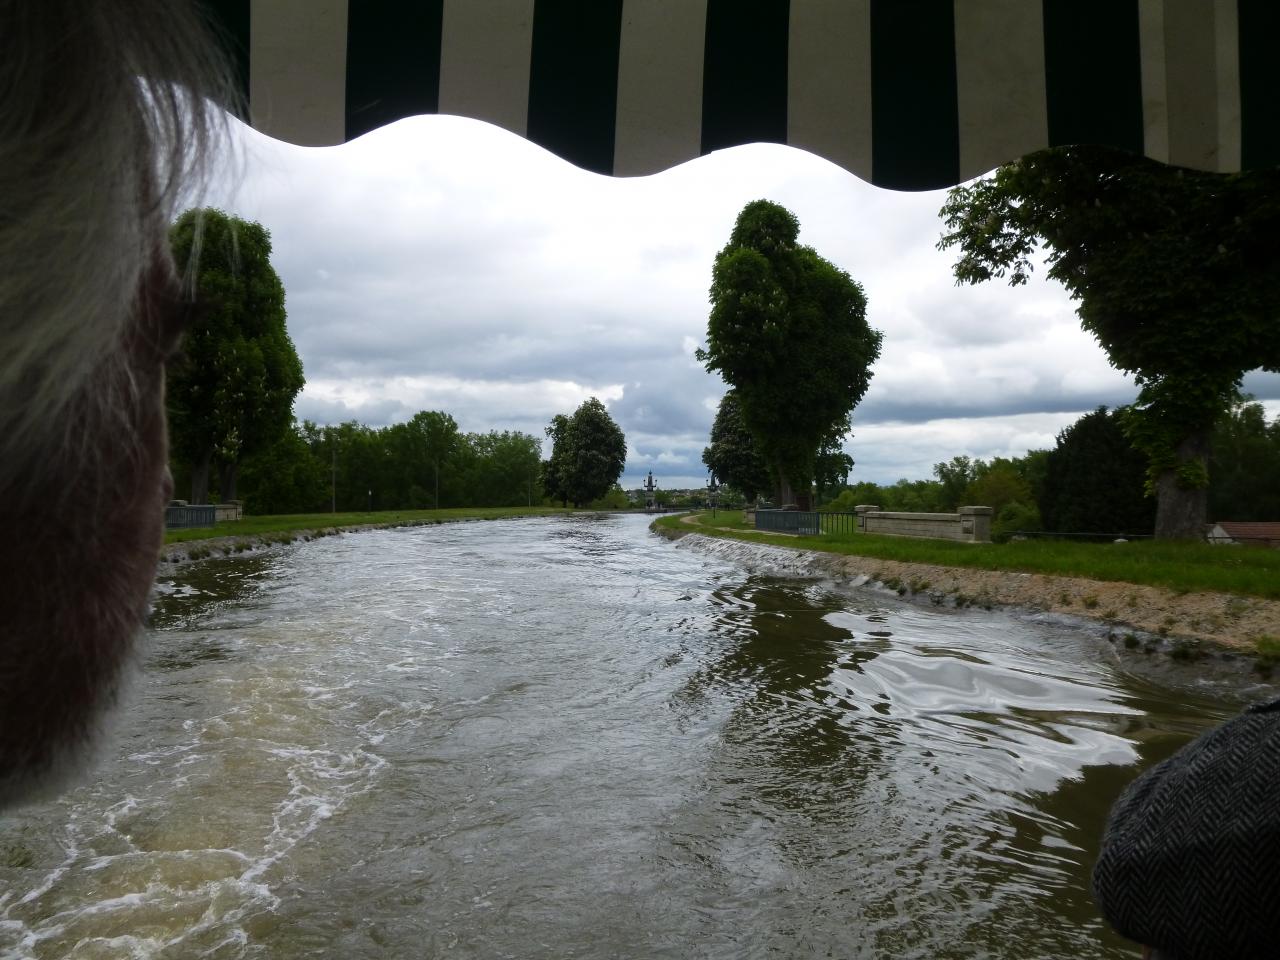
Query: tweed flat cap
[1190, 861]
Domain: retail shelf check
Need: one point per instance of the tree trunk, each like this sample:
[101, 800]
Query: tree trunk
[227, 488]
[801, 496]
[200, 478]
[784, 493]
[1181, 512]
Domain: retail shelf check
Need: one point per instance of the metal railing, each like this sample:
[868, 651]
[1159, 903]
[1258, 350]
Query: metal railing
[806, 522]
[203, 515]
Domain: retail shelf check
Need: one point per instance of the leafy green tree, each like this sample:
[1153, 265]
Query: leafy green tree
[997, 487]
[788, 331]
[913, 496]
[285, 478]
[588, 452]
[431, 442]
[732, 455]
[1094, 480]
[359, 466]
[231, 391]
[955, 476]
[555, 470]
[831, 465]
[502, 468]
[1002, 485]
[1177, 274]
[615, 498]
[1245, 465]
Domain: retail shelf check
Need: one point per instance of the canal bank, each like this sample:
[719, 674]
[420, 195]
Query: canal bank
[269, 534]
[1185, 625]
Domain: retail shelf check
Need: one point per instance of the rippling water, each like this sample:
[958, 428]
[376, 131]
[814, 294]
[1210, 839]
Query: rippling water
[568, 738]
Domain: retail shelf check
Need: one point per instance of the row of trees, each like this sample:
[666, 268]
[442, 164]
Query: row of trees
[424, 463]
[1094, 480]
[232, 430]
[1176, 273]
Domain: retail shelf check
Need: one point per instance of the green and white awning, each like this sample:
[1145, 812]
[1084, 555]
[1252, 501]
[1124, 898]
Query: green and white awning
[908, 94]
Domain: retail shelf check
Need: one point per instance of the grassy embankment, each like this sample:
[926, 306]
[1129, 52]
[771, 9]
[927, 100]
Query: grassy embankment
[268, 527]
[1180, 567]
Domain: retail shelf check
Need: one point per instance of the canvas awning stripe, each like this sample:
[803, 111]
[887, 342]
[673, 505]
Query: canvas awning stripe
[910, 94]
[393, 62]
[915, 134]
[1093, 73]
[1259, 76]
[744, 79]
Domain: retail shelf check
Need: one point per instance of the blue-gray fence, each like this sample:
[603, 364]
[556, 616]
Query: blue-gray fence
[202, 515]
[810, 522]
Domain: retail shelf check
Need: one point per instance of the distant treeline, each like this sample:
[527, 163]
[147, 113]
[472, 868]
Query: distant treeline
[1092, 481]
[424, 463]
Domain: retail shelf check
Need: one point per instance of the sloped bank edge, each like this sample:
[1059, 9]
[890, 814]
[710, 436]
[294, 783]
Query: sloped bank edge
[1134, 617]
[175, 556]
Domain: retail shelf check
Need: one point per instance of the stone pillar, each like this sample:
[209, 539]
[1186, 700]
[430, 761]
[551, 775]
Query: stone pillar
[862, 510]
[975, 524]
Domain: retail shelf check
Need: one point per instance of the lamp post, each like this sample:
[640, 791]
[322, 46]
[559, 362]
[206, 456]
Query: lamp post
[650, 493]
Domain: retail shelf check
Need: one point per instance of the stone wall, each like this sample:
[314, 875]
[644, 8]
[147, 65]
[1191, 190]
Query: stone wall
[969, 524]
[233, 510]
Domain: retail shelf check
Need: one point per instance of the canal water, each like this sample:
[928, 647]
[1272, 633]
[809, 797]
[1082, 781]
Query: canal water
[569, 738]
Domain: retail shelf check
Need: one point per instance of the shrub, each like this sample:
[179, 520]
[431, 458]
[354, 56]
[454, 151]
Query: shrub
[1013, 517]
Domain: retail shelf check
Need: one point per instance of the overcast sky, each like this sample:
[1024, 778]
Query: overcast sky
[444, 264]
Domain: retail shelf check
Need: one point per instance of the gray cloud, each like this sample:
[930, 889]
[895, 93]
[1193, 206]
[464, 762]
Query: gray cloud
[444, 264]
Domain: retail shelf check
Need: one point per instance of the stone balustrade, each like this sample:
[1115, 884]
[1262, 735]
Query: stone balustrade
[969, 524]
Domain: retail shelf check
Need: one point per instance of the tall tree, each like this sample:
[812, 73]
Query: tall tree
[433, 439]
[1177, 274]
[555, 469]
[788, 331]
[231, 391]
[503, 468]
[732, 455]
[1246, 465]
[955, 476]
[831, 465]
[285, 478]
[1093, 480]
[588, 453]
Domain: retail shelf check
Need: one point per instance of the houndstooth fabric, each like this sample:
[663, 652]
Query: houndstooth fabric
[1190, 861]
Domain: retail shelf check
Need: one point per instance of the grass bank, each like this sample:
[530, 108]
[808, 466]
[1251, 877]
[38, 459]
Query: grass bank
[1178, 567]
[265, 526]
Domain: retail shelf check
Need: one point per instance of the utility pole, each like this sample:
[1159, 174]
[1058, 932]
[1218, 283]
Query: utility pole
[333, 475]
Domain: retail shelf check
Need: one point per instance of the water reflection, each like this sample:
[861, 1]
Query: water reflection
[944, 767]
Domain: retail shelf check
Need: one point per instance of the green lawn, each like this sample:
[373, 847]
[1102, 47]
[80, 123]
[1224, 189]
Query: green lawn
[1183, 567]
[287, 523]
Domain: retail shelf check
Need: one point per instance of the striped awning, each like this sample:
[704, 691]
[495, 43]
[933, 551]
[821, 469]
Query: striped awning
[908, 94]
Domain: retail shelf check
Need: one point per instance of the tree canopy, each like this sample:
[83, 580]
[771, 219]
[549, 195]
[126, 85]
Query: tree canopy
[1094, 480]
[788, 331]
[1245, 465]
[1177, 274]
[588, 452]
[732, 455]
[231, 390]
